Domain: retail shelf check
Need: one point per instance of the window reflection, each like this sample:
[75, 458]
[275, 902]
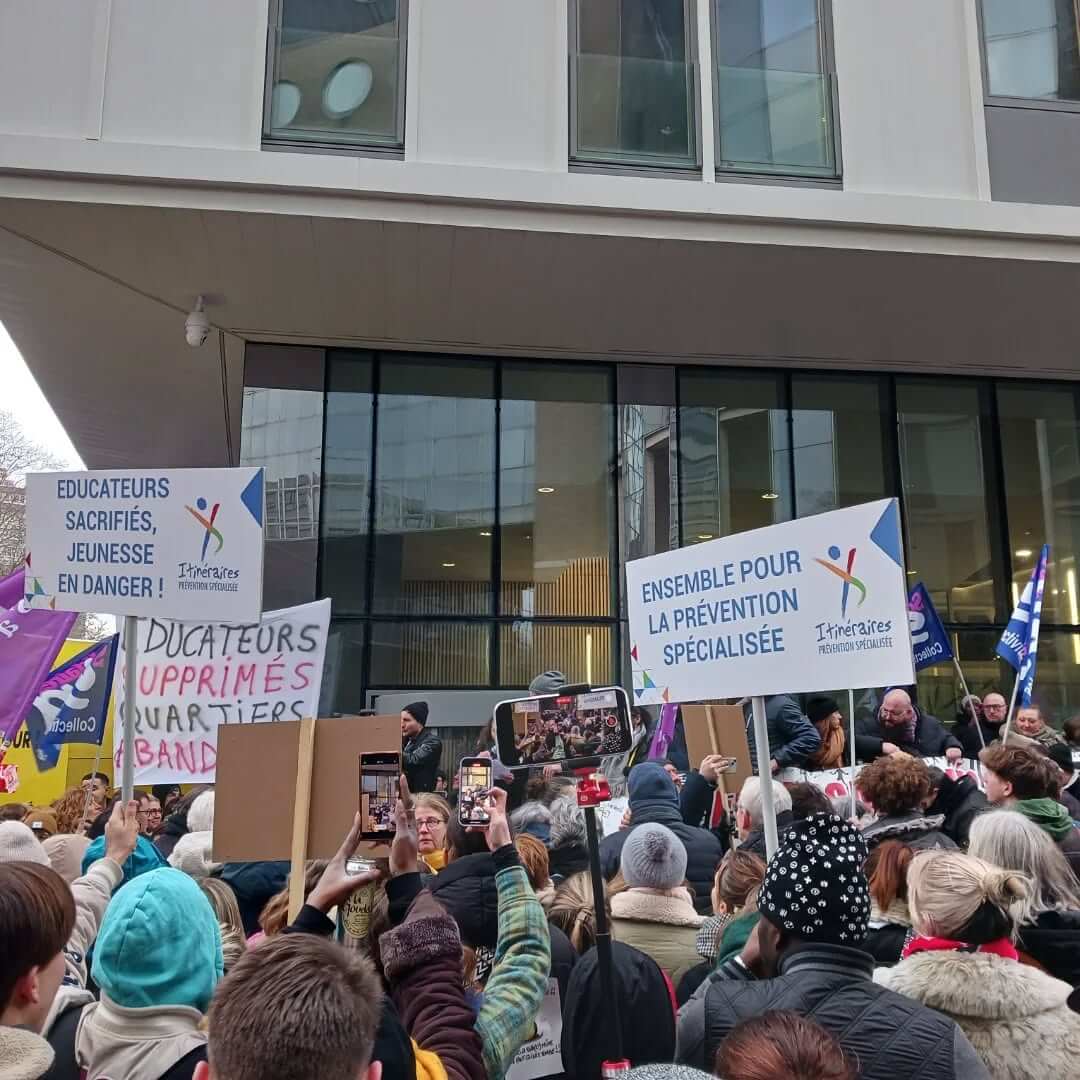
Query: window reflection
[555, 493]
[337, 74]
[940, 426]
[1031, 48]
[1040, 452]
[435, 487]
[736, 460]
[839, 455]
[347, 507]
[773, 96]
[634, 83]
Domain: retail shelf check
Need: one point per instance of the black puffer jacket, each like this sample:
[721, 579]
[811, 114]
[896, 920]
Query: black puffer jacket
[931, 738]
[891, 1036]
[466, 888]
[1054, 942]
[420, 757]
[919, 831]
[653, 799]
[961, 802]
[792, 738]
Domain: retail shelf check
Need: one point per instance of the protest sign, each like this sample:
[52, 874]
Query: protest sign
[542, 1054]
[193, 678]
[256, 803]
[837, 782]
[807, 605]
[177, 543]
[929, 641]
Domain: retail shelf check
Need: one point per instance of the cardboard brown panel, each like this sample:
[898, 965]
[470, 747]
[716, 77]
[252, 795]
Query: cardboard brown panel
[256, 785]
[724, 733]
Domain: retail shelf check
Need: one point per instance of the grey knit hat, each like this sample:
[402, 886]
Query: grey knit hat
[19, 844]
[550, 682]
[665, 1071]
[653, 857]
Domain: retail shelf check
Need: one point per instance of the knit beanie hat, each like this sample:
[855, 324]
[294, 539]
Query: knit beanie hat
[650, 782]
[550, 682]
[144, 858]
[653, 857]
[66, 851]
[814, 886]
[19, 844]
[418, 710]
[200, 815]
[193, 854]
[159, 944]
[1048, 814]
[817, 708]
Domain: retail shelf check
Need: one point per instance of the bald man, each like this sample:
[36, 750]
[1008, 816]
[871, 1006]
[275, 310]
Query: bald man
[900, 727]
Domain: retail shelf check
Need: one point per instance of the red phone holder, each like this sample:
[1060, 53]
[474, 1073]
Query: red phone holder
[593, 788]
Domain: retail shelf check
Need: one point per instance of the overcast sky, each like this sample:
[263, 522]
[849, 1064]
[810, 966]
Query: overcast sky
[23, 398]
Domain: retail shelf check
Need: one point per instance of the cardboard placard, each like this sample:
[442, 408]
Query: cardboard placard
[256, 786]
[718, 729]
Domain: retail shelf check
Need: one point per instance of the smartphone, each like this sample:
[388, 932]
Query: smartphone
[474, 782]
[563, 729]
[378, 794]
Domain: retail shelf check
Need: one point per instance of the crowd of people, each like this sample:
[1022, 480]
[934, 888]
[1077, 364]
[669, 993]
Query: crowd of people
[929, 928]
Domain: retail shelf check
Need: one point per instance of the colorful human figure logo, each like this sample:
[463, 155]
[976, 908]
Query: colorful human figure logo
[845, 575]
[206, 520]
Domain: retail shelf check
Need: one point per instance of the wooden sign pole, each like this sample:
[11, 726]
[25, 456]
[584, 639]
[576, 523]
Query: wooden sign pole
[301, 811]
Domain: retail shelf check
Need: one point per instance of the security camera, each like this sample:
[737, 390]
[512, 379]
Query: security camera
[197, 325]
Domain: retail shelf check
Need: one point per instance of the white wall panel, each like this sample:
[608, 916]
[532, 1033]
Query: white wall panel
[490, 82]
[186, 72]
[911, 119]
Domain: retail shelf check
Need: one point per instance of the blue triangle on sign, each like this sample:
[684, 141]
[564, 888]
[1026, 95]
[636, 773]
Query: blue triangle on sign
[252, 497]
[886, 533]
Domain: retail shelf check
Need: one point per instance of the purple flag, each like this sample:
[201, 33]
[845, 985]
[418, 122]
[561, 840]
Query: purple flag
[29, 642]
[11, 588]
[664, 733]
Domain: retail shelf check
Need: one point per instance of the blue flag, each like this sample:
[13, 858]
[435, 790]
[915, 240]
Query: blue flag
[929, 641]
[72, 704]
[1020, 642]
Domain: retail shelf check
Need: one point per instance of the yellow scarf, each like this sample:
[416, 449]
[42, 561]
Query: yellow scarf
[436, 860]
[428, 1065]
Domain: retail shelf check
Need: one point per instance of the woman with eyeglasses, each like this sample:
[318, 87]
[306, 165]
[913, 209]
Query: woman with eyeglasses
[432, 814]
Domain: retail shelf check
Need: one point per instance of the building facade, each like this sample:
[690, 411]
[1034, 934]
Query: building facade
[506, 292]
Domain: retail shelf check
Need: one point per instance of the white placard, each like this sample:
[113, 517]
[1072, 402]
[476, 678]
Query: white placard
[194, 677]
[813, 604]
[542, 1054]
[170, 543]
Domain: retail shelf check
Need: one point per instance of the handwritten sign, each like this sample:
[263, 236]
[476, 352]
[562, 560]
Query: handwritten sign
[177, 544]
[793, 608]
[195, 677]
[542, 1054]
[834, 782]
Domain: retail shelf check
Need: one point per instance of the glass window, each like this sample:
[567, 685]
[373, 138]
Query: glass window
[281, 429]
[435, 487]
[941, 428]
[1040, 452]
[347, 505]
[735, 461]
[1057, 676]
[633, 83]
[556, 489]
[773, 88]
[939, 689]
[839, 455]
[581, 653]
[342, 683]
[1031, 49]
[337, 72]
[430, 654]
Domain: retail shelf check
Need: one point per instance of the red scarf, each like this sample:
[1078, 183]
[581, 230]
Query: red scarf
[1003, 947]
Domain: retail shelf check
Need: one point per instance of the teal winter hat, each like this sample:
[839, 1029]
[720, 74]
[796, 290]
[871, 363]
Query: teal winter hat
[159, 944]
[145, 857]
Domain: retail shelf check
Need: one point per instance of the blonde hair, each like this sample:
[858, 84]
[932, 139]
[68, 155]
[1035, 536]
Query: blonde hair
[274, 916]
[431, 801]
[1009, 840]
[957, 896]
[223, 901]
[233, 946]
[572, 911]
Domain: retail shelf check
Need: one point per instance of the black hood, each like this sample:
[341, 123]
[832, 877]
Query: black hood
[466, 888]
[952, 793]
[646, 1013]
